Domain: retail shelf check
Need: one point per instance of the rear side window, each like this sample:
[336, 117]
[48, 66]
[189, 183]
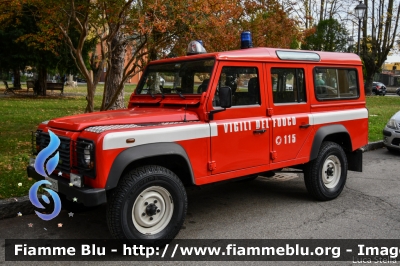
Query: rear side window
[335, 83]
[288, 85]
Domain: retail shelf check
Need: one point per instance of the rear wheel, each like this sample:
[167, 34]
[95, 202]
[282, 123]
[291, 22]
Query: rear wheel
[326, 176]
[148, 207]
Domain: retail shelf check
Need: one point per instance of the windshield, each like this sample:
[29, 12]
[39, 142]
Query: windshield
[186, 77]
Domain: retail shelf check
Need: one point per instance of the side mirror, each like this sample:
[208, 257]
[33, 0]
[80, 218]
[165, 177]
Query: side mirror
[225, 101]
[225, 97]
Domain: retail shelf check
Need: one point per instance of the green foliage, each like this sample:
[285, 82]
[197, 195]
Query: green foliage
[20, 49]
[330, 35]
[13, 53]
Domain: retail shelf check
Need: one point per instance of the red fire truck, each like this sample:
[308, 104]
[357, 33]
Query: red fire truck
[209, 117]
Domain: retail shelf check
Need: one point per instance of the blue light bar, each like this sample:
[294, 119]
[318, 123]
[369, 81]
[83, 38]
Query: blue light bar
[245, 39]
[201, 42]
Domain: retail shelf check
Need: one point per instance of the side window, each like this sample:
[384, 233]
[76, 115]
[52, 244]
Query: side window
[244, 82]
[334, 83]
[288, 85]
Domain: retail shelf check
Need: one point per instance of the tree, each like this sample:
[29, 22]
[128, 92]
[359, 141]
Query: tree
[376, 46]
[21, 48]
[148, 30]
[330, 35]
[311, 12]
[15, 55]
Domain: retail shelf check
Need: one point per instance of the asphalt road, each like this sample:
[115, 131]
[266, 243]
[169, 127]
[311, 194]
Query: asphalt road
[277, 208]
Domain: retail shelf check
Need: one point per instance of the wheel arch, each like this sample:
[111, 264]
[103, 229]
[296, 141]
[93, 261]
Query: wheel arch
[169, 155]
[334, 133]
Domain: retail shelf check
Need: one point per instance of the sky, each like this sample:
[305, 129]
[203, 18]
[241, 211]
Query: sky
[392, 59]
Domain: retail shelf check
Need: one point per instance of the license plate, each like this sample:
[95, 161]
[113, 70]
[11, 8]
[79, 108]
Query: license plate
[54, 184]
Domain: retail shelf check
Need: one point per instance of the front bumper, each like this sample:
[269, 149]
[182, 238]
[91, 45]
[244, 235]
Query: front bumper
[391, 138]
[87, 196]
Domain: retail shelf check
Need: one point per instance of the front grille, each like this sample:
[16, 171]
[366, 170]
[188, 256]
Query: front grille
[396, 141]
[42, 140]
[81, 149]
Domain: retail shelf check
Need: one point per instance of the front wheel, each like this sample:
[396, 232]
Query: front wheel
[148, 207]
[392, 150]
[326, 176]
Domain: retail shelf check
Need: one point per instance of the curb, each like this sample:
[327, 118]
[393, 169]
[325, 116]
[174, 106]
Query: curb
[373, 146]
[11, 207]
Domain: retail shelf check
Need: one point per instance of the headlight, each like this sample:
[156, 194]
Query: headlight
[392, 124]
[85, 154]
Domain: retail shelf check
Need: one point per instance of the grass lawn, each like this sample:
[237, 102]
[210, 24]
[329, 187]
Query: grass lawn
[380, 110]
[21, 114]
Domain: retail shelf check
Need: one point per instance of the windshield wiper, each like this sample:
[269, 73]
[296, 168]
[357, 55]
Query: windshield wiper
[181, 95]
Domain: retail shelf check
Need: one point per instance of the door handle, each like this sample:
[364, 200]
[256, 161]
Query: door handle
[305, 125]
[259, 131]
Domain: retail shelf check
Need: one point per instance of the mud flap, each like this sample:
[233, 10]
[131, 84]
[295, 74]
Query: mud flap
[355, 160]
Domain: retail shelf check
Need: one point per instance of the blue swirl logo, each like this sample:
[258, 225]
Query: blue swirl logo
[35, 201]
[45, 153]
[40, 169]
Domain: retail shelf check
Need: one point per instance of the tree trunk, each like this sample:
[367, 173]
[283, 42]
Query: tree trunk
[321, 11]
[40, 85]
[368, 85]
[91, 88]
[17, 78]
[114, 77]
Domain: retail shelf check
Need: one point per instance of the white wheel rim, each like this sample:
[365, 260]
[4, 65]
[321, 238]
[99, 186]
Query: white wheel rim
[331, 171]
[152, 210]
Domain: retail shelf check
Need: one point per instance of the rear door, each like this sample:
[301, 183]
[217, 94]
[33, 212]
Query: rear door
[289, 112]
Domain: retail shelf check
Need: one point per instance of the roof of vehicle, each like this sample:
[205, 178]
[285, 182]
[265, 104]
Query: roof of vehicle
[270, 54]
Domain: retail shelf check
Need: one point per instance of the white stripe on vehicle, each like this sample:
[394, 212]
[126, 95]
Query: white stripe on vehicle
[188, 132]
[117, 140]
[337, 116]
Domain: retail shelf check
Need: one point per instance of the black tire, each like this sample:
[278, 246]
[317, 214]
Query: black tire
[130, 218]
[326, 176]
[392, 150]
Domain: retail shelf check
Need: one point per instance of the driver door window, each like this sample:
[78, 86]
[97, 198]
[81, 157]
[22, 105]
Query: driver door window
[244, 82]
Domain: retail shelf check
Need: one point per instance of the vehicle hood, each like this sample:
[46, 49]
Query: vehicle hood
[121, 117]
[396, 116]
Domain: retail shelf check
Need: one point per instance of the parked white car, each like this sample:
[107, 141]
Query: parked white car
[391, 133]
